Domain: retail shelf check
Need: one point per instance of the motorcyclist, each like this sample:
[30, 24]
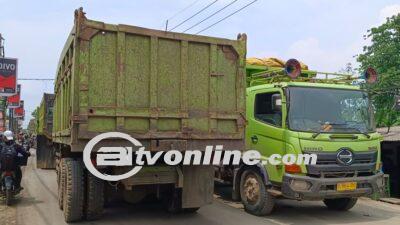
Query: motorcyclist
[8, 140]
[20, 138]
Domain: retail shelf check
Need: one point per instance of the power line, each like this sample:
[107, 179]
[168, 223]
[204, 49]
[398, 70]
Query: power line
[226, 17]
[201, 10]
[226, 6]
[182, 10]
[39, 79]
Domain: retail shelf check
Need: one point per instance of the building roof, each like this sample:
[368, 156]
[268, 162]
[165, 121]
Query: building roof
[393, 135]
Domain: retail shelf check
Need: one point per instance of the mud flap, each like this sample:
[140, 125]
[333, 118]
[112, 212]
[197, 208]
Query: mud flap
[44, 153]
[8, 181]
[198, 186]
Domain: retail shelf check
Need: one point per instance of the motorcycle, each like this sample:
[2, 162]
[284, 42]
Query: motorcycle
[7, 186]
[7, 179]
[8, 166]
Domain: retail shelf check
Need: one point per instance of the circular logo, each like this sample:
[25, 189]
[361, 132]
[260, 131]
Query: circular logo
[345, 156]
[88, 150]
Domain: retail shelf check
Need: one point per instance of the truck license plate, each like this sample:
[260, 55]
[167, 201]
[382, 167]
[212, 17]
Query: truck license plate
[346, 186]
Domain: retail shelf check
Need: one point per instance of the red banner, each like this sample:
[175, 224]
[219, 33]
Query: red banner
[20, 112]
[13, 101]
[8, 76]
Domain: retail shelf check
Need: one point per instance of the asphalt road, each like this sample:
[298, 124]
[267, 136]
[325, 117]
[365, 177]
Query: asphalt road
[37, 205]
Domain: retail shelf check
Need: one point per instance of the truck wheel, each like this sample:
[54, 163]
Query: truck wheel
[94, 197]
[61, 175]
[73, 191]
[254, 195]
[174, 202]
[342, 204]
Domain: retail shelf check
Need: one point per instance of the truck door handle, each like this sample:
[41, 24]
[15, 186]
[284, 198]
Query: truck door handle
[254, 139]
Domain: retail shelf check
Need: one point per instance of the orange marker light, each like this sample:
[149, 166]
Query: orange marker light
[294, 168]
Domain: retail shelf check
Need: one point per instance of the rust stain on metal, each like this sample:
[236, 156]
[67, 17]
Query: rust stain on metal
[229, 53]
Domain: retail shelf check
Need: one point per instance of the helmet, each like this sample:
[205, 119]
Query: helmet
[8, 135]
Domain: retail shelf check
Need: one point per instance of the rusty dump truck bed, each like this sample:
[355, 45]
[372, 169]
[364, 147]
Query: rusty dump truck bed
[45, 116]
[150, 84]
[44, 122]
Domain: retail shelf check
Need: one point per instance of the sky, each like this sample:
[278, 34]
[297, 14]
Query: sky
[324, 34]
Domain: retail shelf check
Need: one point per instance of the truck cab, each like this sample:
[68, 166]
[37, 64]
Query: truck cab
[331, 118]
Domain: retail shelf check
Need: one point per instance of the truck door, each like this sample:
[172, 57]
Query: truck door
[265, 131]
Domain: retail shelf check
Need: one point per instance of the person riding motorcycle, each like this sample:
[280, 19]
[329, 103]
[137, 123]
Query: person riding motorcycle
[8, 141]
[20, 138]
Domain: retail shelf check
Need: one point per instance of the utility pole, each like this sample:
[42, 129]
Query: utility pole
[2, 56]
[10, 111]
[1, 46]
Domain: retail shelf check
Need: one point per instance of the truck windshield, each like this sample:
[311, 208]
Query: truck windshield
[329, 110]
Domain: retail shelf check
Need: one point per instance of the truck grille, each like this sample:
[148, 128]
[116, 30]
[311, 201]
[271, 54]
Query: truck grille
[364, 164]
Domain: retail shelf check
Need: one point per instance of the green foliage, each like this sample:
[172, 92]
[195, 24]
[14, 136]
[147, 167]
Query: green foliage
[32, 126]
[35, 112]
[383, 54]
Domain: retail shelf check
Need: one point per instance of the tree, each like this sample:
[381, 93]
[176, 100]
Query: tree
[383, 54]
[35, 112]
[32, 126]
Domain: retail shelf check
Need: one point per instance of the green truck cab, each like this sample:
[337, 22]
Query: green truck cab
[332, 118]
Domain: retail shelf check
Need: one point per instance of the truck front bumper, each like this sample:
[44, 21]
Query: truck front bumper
[311, 188]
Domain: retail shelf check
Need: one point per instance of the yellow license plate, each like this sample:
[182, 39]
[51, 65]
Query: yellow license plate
[346, 186]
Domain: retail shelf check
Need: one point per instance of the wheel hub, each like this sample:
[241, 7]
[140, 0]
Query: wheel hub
[251, 189]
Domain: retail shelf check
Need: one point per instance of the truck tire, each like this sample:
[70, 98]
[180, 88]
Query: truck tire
[73, 196]
[174, 202]
[61, 175]
[254, 195]
[94, 197]
[341, 204]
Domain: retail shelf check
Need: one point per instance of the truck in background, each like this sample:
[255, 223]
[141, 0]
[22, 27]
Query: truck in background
[294, 111]
[167, 90]
[2, 121]
[45, 156]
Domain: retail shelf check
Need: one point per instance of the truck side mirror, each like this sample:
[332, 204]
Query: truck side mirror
[276, 102]
[397, 102]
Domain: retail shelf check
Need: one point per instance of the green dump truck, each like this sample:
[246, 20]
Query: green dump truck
[294, 111]
[45, 158]
[167, 90]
